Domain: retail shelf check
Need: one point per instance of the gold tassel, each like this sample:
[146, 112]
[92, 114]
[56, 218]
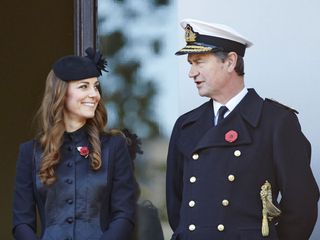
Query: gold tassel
[265, 226]
[269, 210]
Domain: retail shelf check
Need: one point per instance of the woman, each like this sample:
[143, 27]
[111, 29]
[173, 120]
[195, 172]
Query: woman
[79, 178]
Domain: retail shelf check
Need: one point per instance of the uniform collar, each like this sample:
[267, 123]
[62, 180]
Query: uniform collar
[250, 107]
[231, 104]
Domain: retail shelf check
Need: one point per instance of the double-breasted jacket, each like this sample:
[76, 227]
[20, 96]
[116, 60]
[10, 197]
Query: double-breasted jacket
[82, 203]
[215, 173]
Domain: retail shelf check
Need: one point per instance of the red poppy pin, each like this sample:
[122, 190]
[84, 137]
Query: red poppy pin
[84, 151]
[231, 136]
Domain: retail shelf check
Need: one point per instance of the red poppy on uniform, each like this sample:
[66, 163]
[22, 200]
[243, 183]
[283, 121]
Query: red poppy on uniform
[231, 136]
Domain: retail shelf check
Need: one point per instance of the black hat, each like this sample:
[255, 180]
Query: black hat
[70, 68]
[204, 37]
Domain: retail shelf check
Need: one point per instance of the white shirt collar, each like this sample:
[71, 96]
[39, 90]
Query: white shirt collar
[231, 104]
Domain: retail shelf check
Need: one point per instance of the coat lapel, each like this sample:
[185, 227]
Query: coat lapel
[196, 124]
[198, 131]
[216, 136]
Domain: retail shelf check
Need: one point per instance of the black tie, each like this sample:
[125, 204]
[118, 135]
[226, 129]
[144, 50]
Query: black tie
[222, 110]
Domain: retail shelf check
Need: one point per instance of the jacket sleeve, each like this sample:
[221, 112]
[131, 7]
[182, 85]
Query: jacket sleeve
[299, 191]
[122, 198]
[24, 207]
[174, 179]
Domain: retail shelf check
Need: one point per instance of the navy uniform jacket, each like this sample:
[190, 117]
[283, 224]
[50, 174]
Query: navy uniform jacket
[213, 186]
[82, 203]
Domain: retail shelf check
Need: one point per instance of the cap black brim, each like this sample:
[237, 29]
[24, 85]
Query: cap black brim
[194, 49]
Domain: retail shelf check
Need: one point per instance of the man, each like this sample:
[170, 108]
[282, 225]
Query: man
[238, 166]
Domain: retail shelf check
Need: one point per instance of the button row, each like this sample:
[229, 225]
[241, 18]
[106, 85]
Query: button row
[236, 153]
[192, 227]
[225, 202]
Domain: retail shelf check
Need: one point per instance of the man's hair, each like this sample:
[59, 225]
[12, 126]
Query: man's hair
[239, 65]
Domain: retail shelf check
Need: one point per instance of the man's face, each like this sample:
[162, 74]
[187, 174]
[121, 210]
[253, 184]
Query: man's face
[209, 73]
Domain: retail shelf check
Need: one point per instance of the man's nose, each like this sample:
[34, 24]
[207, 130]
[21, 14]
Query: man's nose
[193, 72]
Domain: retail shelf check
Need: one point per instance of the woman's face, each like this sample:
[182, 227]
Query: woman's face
[81, 100]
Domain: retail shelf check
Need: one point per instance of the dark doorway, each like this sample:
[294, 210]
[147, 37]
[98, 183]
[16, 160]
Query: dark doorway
[33, 35]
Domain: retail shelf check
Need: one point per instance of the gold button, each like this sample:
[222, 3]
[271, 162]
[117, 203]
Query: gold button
[225, 202]
[231, 178]
[192, 203]
[220, 227]
[237, 153]
[192, 227]
[193, 179]
[195, 156]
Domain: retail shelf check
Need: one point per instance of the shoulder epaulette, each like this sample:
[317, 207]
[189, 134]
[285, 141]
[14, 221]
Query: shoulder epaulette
[281, 105]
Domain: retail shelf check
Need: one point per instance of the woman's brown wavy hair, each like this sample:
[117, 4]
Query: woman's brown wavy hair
[52, 128]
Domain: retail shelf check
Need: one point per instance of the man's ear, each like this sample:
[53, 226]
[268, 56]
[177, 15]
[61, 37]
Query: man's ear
[231, 61]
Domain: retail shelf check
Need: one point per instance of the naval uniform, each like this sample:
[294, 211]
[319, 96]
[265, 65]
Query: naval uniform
[82, 203]
[215, 173]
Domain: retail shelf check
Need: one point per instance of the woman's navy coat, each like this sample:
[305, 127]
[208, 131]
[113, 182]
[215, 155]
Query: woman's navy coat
[82, 203]
[213, 186]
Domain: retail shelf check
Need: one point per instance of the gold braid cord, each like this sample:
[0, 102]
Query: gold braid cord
[195, 48]
[269, 210]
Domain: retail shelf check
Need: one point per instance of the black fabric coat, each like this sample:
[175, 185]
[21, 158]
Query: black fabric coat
[82, 204]
[213, 186]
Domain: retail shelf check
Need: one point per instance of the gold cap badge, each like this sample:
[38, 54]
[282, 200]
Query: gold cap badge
[190, 35]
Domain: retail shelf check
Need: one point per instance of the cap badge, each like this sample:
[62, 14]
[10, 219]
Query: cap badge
[190, 35]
